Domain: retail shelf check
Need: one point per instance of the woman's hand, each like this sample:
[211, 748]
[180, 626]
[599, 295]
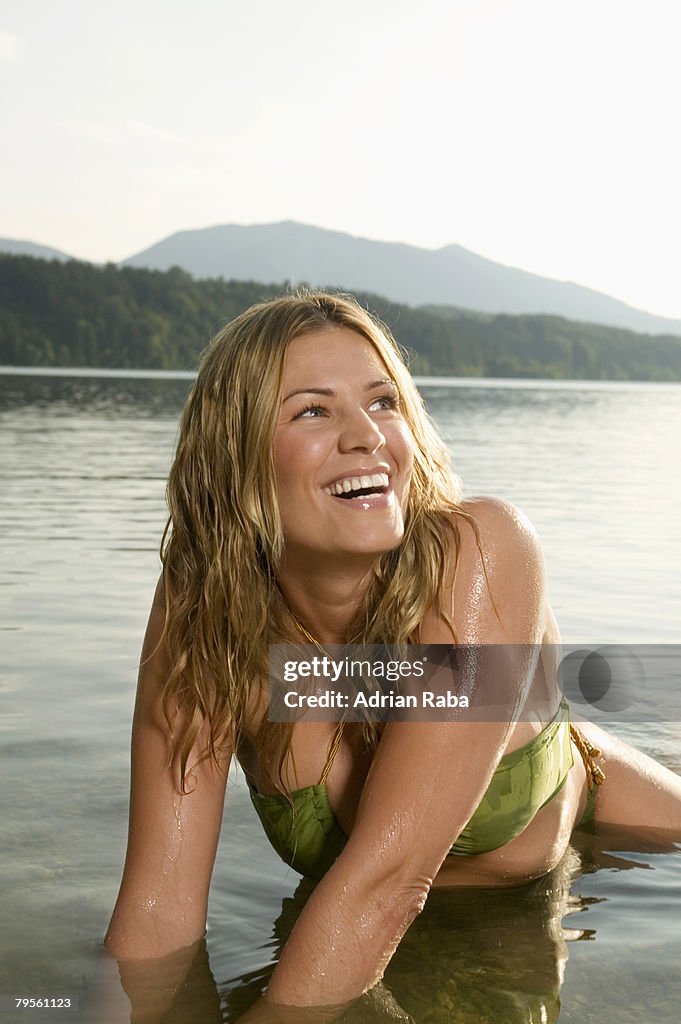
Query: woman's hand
[266, 1012]
[378, 1006]
[178, 988]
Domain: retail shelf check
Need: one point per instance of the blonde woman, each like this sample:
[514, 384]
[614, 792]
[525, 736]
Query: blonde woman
[311, 501]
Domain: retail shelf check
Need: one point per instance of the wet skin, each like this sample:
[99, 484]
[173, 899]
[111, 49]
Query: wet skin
[340, 419]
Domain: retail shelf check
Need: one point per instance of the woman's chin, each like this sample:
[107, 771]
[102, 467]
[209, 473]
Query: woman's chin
[350, 545]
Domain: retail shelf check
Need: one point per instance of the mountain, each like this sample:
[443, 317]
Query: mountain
[452, 276]
[19, 247]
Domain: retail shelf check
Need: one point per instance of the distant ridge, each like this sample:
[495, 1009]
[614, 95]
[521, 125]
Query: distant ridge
[19, 247]
[71, 313]
[451, 276]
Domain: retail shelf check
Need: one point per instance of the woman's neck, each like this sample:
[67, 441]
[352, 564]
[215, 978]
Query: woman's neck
[325, 598]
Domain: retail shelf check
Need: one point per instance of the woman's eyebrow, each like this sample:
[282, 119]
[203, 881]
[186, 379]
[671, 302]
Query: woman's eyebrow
[330, 393]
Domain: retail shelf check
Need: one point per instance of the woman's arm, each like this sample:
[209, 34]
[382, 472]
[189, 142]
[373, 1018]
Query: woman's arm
[172, 838]
[425, 781]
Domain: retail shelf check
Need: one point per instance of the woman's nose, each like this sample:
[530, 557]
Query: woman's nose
[360, 433]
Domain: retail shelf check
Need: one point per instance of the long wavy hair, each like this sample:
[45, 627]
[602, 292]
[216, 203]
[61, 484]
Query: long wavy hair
[223, 541]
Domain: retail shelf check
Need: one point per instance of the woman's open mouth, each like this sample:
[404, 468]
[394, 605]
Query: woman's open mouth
[359, 486]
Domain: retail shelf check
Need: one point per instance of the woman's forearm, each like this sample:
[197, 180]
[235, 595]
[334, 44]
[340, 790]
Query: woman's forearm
[344, 937]
[151, 985]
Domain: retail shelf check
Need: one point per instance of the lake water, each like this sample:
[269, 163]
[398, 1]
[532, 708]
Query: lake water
[83, 466]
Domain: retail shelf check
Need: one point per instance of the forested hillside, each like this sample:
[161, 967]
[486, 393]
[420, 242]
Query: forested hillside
[404, 273]
[77, 314]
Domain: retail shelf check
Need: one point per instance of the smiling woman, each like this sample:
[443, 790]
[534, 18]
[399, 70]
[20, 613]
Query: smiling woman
[343, 454]
[311, 500]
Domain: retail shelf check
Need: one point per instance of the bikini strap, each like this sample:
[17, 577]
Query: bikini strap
[333, 750]
[595, 776]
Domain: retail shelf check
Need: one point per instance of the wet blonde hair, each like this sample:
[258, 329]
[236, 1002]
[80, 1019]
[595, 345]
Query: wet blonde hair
[223, 540]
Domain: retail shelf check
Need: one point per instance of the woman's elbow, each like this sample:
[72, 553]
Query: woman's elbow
[400, 897]
[412, 895]
[399, 870]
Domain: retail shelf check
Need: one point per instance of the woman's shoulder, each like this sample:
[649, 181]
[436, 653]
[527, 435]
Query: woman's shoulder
[500, 526]
[493, 527]
[496, 569]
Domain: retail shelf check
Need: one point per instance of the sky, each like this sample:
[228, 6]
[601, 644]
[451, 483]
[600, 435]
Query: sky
[539, 133]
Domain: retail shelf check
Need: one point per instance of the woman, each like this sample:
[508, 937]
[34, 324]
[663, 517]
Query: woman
[311, 501]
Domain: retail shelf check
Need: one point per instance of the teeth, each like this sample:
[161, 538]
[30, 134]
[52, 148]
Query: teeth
[357, 483]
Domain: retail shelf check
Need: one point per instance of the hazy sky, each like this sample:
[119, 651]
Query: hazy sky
[540, 133]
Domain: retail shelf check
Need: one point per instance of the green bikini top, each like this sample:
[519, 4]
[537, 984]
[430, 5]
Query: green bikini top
[306, 835]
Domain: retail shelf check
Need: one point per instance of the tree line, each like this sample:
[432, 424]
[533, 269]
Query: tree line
[72, 314]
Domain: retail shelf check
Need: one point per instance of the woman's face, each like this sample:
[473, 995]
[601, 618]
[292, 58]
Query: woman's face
[343, 451]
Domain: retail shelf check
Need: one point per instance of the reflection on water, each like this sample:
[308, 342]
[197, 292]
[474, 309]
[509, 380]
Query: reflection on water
[477, 955]
[147, 397]
[83, 463]
[472, 955]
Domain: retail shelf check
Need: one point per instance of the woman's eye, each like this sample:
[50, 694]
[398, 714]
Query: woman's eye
[385, 402]
[380, 404]
[310, 412]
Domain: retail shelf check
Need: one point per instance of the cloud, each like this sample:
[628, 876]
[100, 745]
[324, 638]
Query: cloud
[148, 131]
[120, 134]
[8, 47]
[96, 132]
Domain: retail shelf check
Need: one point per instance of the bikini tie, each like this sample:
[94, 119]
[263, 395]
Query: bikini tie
[595, 776]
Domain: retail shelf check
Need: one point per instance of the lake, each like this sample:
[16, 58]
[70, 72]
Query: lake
[83, 465]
